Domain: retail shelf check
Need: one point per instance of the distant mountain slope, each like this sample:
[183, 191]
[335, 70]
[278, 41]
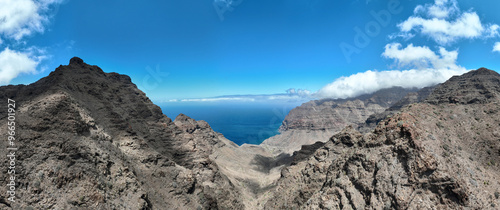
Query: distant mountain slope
[410, 98]
[443, 153]
[335, 114]
[319, 119]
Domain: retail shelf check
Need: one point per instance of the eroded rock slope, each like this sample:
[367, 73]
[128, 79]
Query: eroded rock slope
[443, 153]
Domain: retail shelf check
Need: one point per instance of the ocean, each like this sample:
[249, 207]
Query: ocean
[240, 123]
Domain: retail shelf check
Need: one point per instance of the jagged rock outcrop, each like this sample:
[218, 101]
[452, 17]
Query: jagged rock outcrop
[92, 140]
[410, 98]
[429, 155]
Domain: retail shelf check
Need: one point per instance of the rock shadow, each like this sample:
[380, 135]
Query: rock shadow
[265, 164]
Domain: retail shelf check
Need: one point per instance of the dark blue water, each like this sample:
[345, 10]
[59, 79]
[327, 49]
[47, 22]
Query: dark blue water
[240, 123]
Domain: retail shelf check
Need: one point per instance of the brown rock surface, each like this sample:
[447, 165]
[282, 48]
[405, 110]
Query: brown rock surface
[428, 156]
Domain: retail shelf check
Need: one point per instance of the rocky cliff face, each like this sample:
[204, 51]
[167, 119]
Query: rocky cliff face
[336, 114]
[442, 153]
[92, 140]
[410, 98]
[318, 120]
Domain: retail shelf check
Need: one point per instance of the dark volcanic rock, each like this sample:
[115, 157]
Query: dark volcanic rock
[76, 61]
[480, 86]
[91, 140]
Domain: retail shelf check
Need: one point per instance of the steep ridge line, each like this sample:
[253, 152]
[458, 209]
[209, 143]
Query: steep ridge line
[441, 153]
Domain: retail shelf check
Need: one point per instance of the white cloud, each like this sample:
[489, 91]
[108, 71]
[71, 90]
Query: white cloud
[421, 57]
[20, 18]
[427, 68]
[442, 8]
[444, 23]
[443, 31]
[496, 47]
[13, 63]
[371, 81]
[493, 31]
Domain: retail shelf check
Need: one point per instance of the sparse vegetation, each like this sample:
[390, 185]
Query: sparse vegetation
[446, 154]
[446, 147]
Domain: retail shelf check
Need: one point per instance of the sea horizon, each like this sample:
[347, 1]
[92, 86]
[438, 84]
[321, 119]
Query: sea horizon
[242, 123]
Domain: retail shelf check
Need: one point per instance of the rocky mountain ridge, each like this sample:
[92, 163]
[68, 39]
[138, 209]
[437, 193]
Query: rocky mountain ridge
[439, 154]
[92, 140]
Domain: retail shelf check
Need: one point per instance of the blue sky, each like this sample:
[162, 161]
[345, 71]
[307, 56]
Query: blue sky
[200, 50]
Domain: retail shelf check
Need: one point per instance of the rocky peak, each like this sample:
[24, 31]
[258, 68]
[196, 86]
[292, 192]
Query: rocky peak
[188, 124]
[182, 118]
[482, 71]
[477, 86]
[76, 61]
[99, 141]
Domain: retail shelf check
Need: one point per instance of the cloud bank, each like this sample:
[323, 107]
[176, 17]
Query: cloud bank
[18, 20]
[371, 81]
[291, 95]
[418, 66]
[430, 69]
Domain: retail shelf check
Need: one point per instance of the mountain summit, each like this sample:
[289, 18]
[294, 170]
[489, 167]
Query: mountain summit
[479, 86]
[90, 139]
